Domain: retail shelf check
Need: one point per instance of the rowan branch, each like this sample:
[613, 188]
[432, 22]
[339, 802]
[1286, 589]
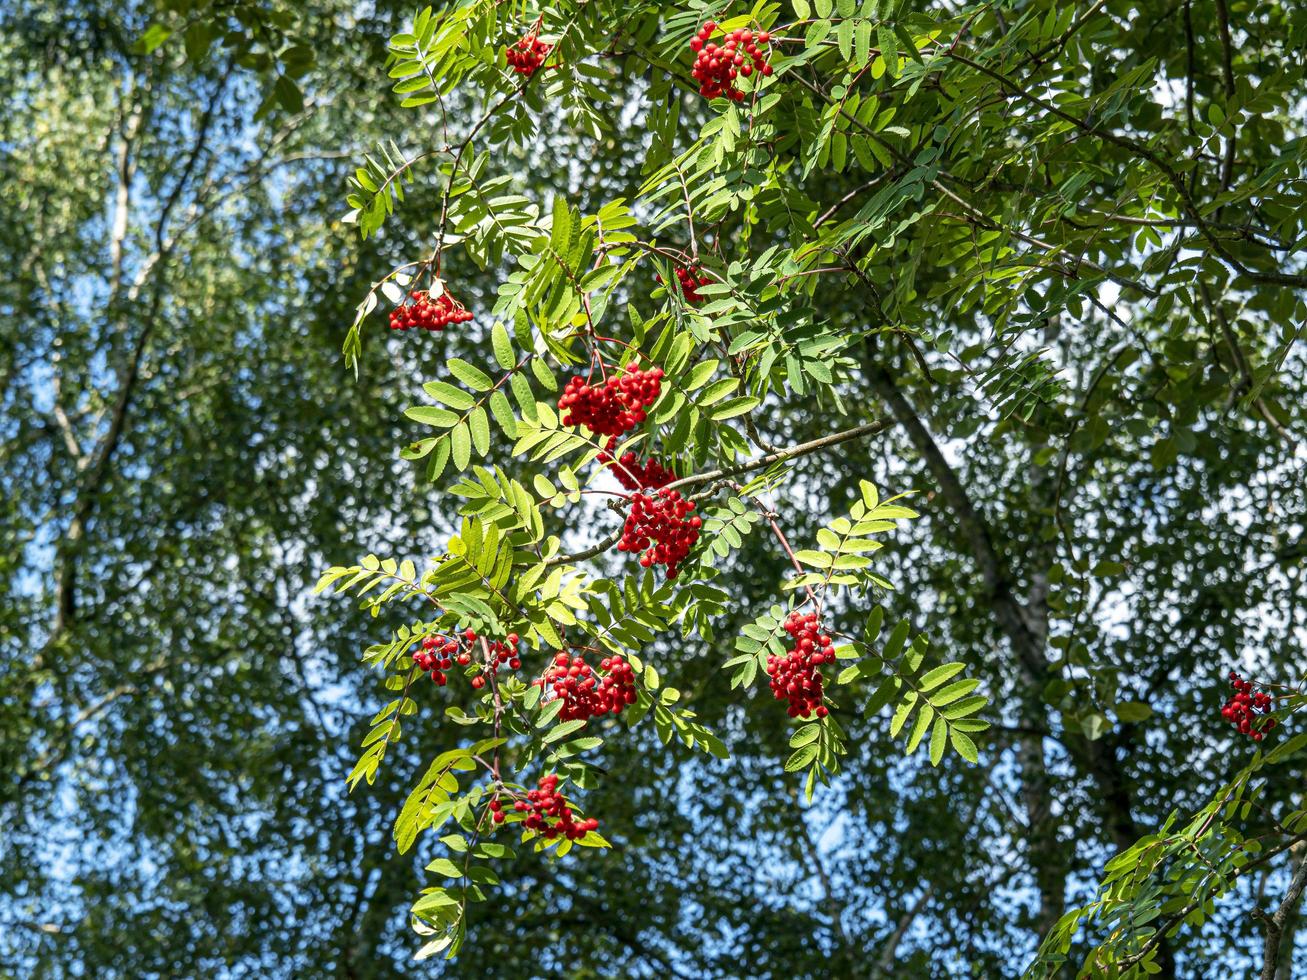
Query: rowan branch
[696, 479]
[1168, 171]
[793, 452]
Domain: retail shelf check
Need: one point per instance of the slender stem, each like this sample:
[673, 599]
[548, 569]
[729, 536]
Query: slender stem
[770, 517]
[802, 449]
[780, 456]
[499, 703]
[1163, 166]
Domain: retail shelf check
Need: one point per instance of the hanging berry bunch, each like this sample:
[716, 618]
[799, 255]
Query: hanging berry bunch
[548, 814]
[438, 654]
[425, 313]
[691, 278]
[435, 656]
[660, 526]
[583, 692]
[797, 675]
[1248, 710]
[528, 54]
[504, 652]
[616, 406]
[716, 67]
[633, 474]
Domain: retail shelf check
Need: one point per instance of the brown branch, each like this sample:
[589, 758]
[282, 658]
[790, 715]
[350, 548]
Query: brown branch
[860, 189]
[128, 376]
[1244, 232]
[1189, 66]
[828, 901]
[885, 961]
[769, 516]
[64, 423]
[55, 756]
[1275, 923]
[1227, 75]
[793, 452]
[1159, 935]
[975, 212]
[1060, 42]
[125, 166]
[1007, 608]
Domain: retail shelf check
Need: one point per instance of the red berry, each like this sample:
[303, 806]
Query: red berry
[690, 278]
[527, 55]
[439, 653]
[796, 676]
[1248, 710]
[548, 813]
[584, 693]
[659, 529]
[616, 406]
[717, 68]
[427, 314]
[633, 474]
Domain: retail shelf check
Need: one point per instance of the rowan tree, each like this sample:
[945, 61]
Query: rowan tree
[853, 210]
[1042, 265]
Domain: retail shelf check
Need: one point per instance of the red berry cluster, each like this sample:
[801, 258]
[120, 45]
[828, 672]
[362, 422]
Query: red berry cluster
[616, 406]
[691, 278]
[426, 313]
[436, 655]
[548, 814]
[1248, 709]
[797, 675]
[659, 526]
[716, 68]
[500, 652]
[583, 692]
[527, 55]
[633, 474]
[505, 652]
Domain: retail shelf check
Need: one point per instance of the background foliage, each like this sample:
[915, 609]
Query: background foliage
[1081, 312]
